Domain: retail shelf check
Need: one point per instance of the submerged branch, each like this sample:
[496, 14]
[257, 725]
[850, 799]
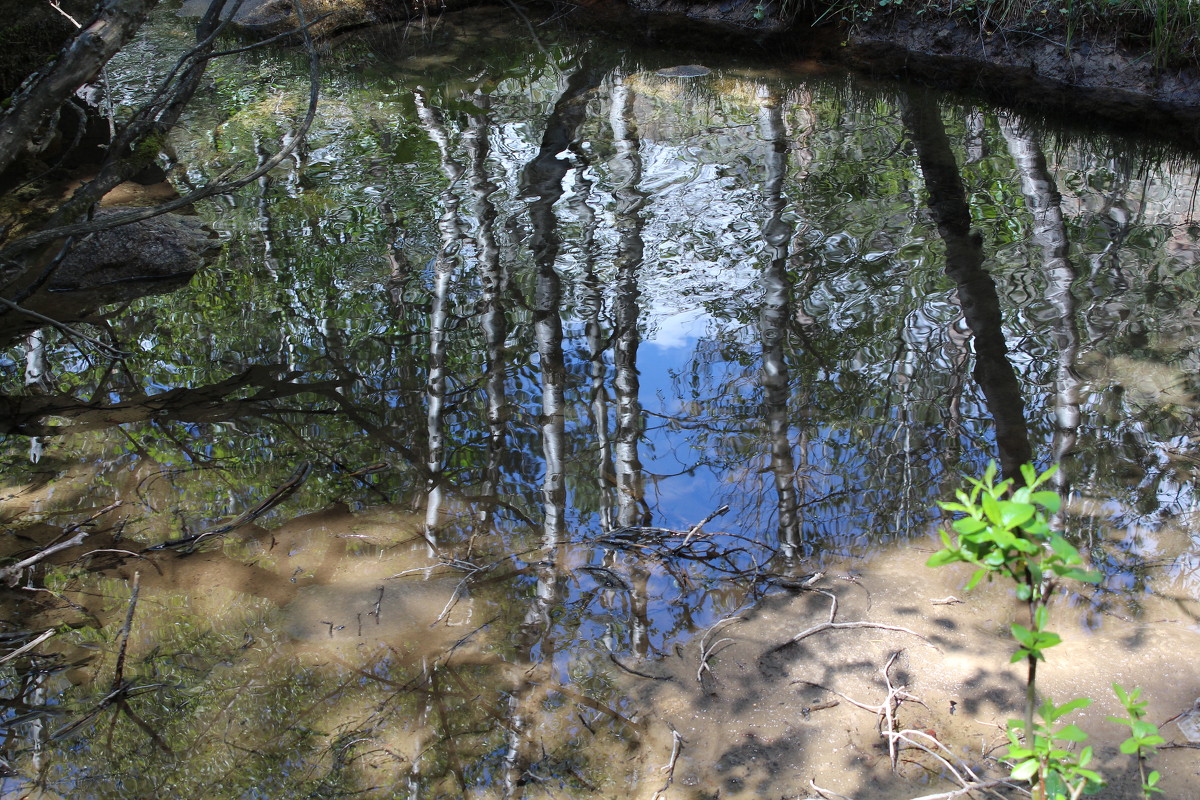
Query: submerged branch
[12, 573]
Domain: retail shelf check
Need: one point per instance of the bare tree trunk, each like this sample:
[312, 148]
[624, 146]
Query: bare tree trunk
[443, 275]
[543, 179]
[773, 325]
[1050, 235]
[494, 277]
[113, 26]
[976, 290]
[627, 171]
[593, 307]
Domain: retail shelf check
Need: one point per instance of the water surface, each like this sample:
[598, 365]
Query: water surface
[533, 308]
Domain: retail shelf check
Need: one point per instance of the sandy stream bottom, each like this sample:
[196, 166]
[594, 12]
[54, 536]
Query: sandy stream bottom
[753, 728]
[754, 723]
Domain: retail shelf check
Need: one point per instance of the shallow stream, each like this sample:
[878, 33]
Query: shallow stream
[543, 357]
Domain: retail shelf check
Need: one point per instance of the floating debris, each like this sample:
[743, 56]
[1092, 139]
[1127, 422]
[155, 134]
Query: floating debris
[1189, 722]
[685, 71]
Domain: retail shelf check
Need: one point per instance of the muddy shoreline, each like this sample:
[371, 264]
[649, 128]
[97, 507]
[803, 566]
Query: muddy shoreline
[1099, 80]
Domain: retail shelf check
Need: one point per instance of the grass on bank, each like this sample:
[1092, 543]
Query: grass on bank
[1168, 29]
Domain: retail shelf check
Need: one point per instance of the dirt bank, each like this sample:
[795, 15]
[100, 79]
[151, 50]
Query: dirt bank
[1101, 78]
[1097, 78]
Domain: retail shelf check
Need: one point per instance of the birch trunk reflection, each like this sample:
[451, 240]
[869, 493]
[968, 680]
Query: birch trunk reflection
[597, 344]
[947, 201]
[1050, 236]
[773, 324]
[443, 275]
[627, 174]
[493, 276]
[626, 167]
[37, 379]
[543, 181]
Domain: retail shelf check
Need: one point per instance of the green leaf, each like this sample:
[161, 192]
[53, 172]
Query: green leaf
[1025, 770]
[1029, 473]
[943, 557]
[1004, 538]
[968, 525]
[1064, 549]
[991, 507]
[1048, 639]
[1066, 708]
[1082, 575]
[1023, 635]
[1038, 528]
[1047, 500]
[1014, 515]
[1071, 733]
[1041, 617]
[1143, 729]
[1025, 546]
[1129, 746]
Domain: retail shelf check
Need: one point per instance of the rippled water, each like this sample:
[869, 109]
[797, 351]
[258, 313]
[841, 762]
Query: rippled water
[532, 310]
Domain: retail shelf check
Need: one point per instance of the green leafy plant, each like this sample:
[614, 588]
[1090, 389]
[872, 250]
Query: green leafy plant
[1005, 532]
[1143, 738]
[1043, 757]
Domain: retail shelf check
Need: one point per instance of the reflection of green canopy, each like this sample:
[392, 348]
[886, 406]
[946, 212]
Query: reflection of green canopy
[721, 291]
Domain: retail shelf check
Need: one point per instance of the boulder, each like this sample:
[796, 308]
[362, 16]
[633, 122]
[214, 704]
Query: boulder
[163, 248]
[265, 18]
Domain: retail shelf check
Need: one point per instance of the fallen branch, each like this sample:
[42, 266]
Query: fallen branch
[829, 626]
[891, 705]
[188, 544]
[12, 573]
[67, 330]
[126, 629]
[114, 25]
[968, 784]
[25, 648]
[825, 792]
[669, 769]
[120, 691]
[695, 529]
[707, 650]
[613, 658]
[965, 790]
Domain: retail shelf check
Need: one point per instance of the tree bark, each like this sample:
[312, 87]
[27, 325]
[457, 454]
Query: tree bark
[97, 42]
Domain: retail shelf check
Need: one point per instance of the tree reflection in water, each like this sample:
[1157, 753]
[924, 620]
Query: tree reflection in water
[633, 300]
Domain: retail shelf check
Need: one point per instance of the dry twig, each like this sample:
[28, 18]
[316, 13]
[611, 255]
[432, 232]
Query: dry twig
[825, 792]
[25, 648]
[669, 769]
[11, 574]
[831, 625]
[971, 782]
[708, 650]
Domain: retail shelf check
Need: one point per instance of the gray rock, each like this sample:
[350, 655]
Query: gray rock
[156, 249]
[264, 18]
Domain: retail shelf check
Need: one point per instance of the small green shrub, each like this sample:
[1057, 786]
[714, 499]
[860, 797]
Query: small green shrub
[1004, 531]
[1143, 738]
